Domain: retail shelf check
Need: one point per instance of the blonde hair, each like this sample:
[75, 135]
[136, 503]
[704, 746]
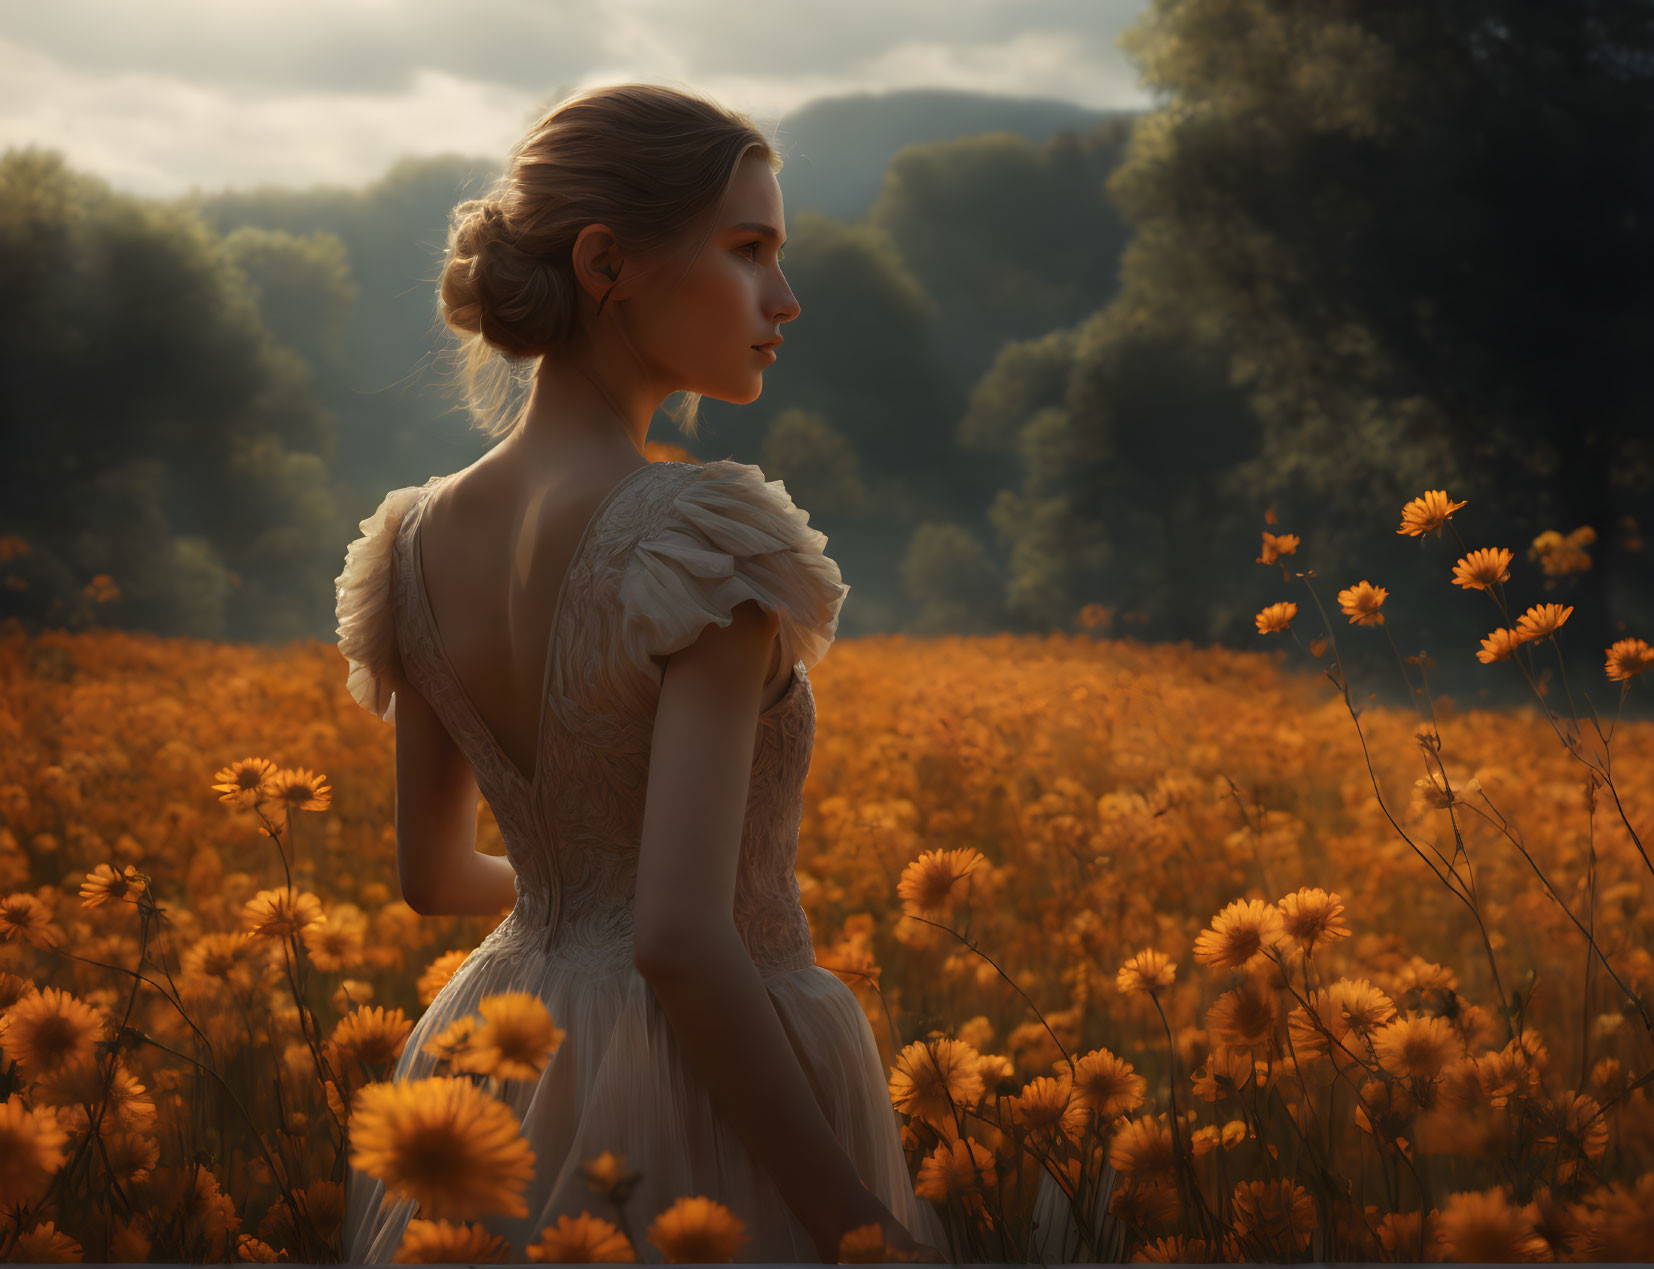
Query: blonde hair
[643, 159]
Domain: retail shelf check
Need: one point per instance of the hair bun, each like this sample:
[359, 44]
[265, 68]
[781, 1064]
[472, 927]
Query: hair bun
[516, 300]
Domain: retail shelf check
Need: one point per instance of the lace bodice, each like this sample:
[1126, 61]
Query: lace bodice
[671, 548]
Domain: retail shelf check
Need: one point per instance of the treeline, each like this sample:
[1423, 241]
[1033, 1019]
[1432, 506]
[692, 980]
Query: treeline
[1362, 250]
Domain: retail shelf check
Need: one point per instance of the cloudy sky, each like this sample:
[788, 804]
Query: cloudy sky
[169, 95]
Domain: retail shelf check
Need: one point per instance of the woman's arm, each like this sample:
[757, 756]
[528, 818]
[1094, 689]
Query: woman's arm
[734, 1043]
[685, 943]
[486, 885]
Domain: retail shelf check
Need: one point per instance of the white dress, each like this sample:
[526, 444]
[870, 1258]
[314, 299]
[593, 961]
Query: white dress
[672, 547]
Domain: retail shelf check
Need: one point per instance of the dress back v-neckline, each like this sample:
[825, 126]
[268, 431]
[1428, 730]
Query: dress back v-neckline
[531, 780]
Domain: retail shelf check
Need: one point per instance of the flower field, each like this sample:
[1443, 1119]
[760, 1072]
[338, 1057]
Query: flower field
[1321, 980]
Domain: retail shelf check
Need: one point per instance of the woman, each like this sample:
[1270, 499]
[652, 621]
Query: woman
[649, 792]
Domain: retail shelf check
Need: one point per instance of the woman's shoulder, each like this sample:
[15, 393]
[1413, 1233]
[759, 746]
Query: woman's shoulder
[362, 602]
[712, 536]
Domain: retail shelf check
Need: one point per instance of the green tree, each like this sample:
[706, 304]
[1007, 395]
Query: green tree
[1421, 232]
[155, 431]
[1010, 238]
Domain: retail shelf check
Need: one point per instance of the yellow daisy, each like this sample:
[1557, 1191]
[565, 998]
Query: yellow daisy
[1426, 513]
[1239, 934]
[581, 1240]
[1542, 620]
[698, 1230]
[1417, 1046]
[1361, 602]
[437, 1242]
[1310, 916]
[516, 1038]
[929, 882]
[281, 913]
[1275, 546]
[32, 1148]
[241, 784]
[954, 1169]
[932, 1076]
[48, 1029]
[1276, 617]
[372, 1035]
[1280, 1213]
[1628, 657]
[298, 789]
[444, 1143]
[105, 885]
[1482, 569]
[1148, 971]
[25, 918]
[1484, 1227]
[1142, 1147]
[1499, 646]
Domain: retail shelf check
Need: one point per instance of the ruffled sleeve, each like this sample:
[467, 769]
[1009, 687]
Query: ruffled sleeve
[730, 535]
[362, 593]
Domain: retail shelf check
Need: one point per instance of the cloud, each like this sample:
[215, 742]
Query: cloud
[160, 135]
[172, 94]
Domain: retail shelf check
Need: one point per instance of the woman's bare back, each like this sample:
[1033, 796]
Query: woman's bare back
[496, 540]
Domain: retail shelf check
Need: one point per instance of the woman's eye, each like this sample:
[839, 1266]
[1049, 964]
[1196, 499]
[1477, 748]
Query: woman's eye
[780, 256]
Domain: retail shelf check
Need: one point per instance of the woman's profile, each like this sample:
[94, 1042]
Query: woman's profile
[615, 653]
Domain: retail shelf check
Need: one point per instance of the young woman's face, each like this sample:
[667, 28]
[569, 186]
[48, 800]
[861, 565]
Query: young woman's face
[701, 330]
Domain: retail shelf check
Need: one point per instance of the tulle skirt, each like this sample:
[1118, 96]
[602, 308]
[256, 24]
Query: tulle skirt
[619, 1082]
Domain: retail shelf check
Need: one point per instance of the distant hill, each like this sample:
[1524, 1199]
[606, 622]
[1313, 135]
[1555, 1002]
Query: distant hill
[836, 148]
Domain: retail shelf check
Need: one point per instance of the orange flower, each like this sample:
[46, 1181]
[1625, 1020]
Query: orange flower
[1279, 1212]
[46, 1244]
[608, 1175]
[1275, 546]
[1483, 568]
[929, 881]
[932, 1076]
[1105, 1084]
[444, 1143]
[1558, 555]
[48, 1029]
[102, 589]
[23, 916]
[1360, 603]
[1417, 1046]
[1239, 934]
[438, 972]
[1499, 646]
[426, 1242]
[582, 1240]
[516, 1038]
[1047, 1107]
[1142, 1147]
[963, 1168]
[31, 1150]
[1542, 620]
[453, 1041]
[1426, 513]
[1485, 1227]
[104, 884]
[372, 1035]
[241, 784]
[1311, 916]
[298, 789]
[280, 913]
[1276, 617]
[1148, 971]
[1628, 657]
[698, 1230]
